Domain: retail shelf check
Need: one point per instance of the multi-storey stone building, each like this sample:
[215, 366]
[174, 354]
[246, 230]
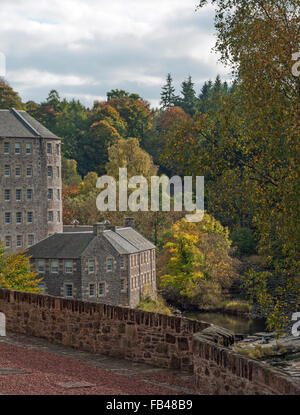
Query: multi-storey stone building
[112, 265]
[30, 181]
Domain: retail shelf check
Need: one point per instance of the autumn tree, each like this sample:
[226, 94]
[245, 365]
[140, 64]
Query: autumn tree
[16, 272]
[8, 97]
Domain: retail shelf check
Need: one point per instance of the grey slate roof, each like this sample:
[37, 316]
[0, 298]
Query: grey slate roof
[135, 238]
[71, 245]
[19, 124]
[61, 245]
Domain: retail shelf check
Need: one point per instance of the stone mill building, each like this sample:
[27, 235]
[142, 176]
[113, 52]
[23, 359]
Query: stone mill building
[109, 264]
[30, 181]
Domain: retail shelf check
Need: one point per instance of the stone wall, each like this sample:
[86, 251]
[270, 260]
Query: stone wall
[156, 339]
[115, 331]
[221, 371]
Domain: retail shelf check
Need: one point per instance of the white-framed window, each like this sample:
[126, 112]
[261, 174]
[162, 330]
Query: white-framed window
[50, 194]
[50, 171]
[68, 267]
[69, 290]
[102, 289]
[122, 262]
[7, 241]
[123, 284]
[7, 170]
[29, 217]
[92, 289]
[18, 217]
[29, 194]
[54, 267]
[7, 217]
[18, 195]
[7, 195]
[17, 148]
[109, 264]
[29, 171]
[6, 148]
[30, 240]
[91, 266]
[49, 148]
[41, 266]
[19, 241]
[28, 148]
[18, 170]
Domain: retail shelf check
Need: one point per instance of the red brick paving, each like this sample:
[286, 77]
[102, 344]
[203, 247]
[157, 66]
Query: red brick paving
[47, 369]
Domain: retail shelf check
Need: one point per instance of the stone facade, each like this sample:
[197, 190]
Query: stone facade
[159, 340]
[101, 270]
[30, 183]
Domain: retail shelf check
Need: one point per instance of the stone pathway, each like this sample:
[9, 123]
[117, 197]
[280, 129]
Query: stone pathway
[30, 365]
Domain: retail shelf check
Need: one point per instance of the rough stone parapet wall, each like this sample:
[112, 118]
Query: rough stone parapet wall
[221, 371]
[126, 333]
[156, 339]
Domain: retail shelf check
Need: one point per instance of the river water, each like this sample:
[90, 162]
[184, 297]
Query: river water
[236, 324]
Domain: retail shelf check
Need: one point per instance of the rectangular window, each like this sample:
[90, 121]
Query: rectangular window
[7, 217]
[18, 170]
[30, 240]
[49, 148]
[17, 148]
[19, 218]
[28, 148]
[102, 289]
[54, 267]
[6, 148]
[58, 216]
[123, 287]
[50, 172]
[68, 290]
[109, 264]
[29, 171]
[50, 194]
[8, 241]
[7, 170]
[57, 171]
[122, 262]
[7, 195]
[68, 267]
[18, 195]
[41, 266]
[58, 194]
[50, 216]
[92, 289]
[57, 149]
[19, 241]
[29, 194]
[29, 217]
[91, 266]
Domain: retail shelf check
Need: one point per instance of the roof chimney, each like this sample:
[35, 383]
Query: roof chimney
[129, 222]
[98, 228]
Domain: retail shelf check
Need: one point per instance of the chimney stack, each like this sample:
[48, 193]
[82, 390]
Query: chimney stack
[129, 222]
[98, 228]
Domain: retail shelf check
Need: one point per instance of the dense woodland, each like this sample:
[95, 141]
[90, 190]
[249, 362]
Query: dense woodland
[243, 137]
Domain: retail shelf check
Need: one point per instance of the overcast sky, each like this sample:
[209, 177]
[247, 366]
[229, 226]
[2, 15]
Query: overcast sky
[84, 48]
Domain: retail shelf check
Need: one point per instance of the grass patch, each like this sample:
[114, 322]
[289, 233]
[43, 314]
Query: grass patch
[238, 306]
[155, 306]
